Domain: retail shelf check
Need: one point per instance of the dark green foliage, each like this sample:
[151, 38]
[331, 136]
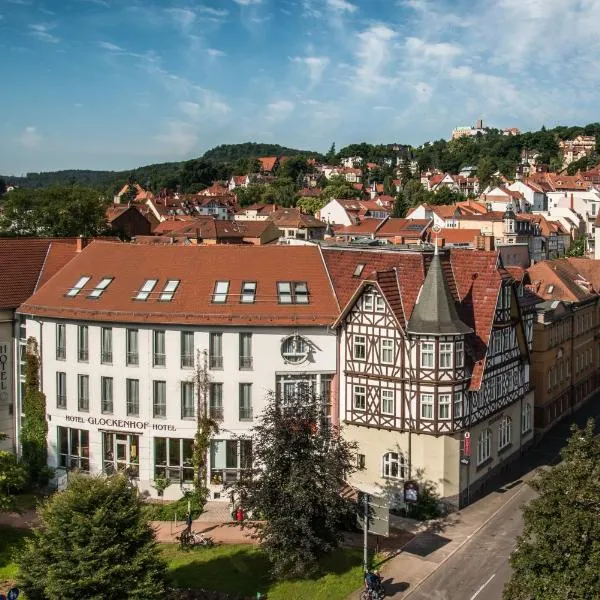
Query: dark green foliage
[577, 247]
[93, 543]
[229, 153]
[415, 194]
[583, 164]
[168, 511]
[337, 187]
[13, 478]
[445, 196]
[303, 464]
[331, 157]
[558, 555]
[35, 427]
[400, 206]
[2, 186]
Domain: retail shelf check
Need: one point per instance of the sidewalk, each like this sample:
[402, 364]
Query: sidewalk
[429, 549]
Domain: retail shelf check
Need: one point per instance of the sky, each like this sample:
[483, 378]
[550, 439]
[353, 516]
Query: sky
[115, 84]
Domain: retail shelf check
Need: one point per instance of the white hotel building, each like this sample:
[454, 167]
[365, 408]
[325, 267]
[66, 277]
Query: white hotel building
[119, 329]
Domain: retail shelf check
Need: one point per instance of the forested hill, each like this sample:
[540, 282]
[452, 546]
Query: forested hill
[230, 153]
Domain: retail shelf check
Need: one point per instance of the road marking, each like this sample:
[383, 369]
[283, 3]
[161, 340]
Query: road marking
[481, 588]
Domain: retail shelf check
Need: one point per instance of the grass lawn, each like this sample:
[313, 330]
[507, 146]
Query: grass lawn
[11, 539]
[243, 569]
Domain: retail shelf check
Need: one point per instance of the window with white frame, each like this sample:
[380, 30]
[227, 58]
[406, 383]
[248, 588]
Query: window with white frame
[169, 290]
[106, 356]
[427, 355]
[387, 402]
[460, 354]
[159, 352]
[61, 341]
[426, 406]
[220, 292]
[484, 446]
[504, 433]
[379, 304]
[82, 343]
[394, 466]
[131, 350]
[61, 389]
[187, 349]
[444, 403]
[132, 397]
[100, 287]
[526, 420]
[83, 392]
[248, 292]
[159, 399]
[458, 405]
[106, 395]
[359, 400]
[360, 347]
[146, 289]
[72, 292]
[445, 355]
[368, 302]
[188, 405]
[387, 351]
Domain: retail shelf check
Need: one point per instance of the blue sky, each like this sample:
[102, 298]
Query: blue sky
[114, 84]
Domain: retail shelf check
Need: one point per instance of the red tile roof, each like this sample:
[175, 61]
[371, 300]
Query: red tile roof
[403, 227]
[198, 268]
[294, 217]
[267, 163]
[452, 235]
[365, 227]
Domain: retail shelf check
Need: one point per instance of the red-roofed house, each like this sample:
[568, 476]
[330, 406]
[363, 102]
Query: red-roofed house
[127, 221]
[268, 164]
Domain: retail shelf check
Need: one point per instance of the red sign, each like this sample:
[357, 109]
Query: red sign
[467, 444]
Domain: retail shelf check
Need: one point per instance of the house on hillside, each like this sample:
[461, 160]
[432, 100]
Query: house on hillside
[127, 221]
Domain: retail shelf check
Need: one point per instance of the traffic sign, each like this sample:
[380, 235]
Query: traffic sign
[13, 594]
[467, 444]
[378, 514]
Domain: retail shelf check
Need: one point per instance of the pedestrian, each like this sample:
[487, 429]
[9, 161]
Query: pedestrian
[188, 522]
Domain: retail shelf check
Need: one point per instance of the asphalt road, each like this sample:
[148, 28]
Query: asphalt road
[480, 568]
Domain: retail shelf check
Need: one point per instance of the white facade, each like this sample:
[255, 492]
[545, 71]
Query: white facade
[333, 212]
[130, 435]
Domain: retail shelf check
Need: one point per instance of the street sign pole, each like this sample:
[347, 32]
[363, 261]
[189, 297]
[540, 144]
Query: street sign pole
[365, 532]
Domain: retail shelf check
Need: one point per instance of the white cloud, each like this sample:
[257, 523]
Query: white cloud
[440, 51]
[342, 5]
[215, 53]
[182, 17]
[178, 138]
[373, 58]
[248, 2]
[110, 46]
[315, 65]
[42, 32]
[30, 138]
[279, 110]
[217, 13]
[205, 104]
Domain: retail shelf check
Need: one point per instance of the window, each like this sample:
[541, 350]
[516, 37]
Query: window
[173, 459]
[187, 349]
[248, 292]
[294, 349]
[387, 351]
[61, 341]
[159, 354]
[73, 449]
[426, 406]
[229, 460]
[504, 433]
[220, 292]
[245, 401]
[444, 406]
[360, 397]
[526, 418]
[61, 390]
[215, 351]
[388, 402]
[460, 354]
[427, 358]
[245, 351]
[120, 452]
[394, 466]
[132, 347]
[292, 292]
[484, 446]
[215, 401]
[72, 292]
[146, 289]
[458, 405]
[133, 397]
[360, 461]
[358, 270]
[82, 343]
[169, 290]
[159, 398]
[368, 302]
[100, 287]
[188, 406]
[379, 304]
[360, 347]
[106, 357]
[83, 392]
[445, 355]
[106, 395]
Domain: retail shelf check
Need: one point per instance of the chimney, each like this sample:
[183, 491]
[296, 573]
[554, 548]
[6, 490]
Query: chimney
[82, 242]
[571, 202]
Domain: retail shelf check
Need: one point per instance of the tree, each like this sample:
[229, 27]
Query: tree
[388, 185]
[2, 187]
[13, 477]
[415, 194]
[330, 157]
[338, 187]
[294, 168]
[310, 205]
[303, 462]
[485, 170]
[446, 196]
[93, 542]
[557, 556]
[400, 206]
[577, 247]
[130, 194]
[35, 426]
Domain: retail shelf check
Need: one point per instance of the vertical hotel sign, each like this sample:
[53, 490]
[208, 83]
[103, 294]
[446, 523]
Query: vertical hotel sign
[4, 372]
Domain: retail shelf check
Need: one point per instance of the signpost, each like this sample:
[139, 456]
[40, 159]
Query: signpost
[466, 460]
[373, 517]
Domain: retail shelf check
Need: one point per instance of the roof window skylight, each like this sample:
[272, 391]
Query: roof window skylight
[358, 270]
[292, 292]
[100, 287]
[78, 286]
[147, 288]
[248, 292]
[220, 292]
[169, 290]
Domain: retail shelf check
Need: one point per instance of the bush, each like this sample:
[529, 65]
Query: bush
[154, 511]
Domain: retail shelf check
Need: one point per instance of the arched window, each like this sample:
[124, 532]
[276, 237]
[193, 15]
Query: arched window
[484, 446]
[294, 349]
[526, 417]
[504, 433]
[395, 466]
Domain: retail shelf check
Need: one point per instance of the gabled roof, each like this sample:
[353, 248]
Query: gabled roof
[364, 227]
[561, 280]
[294, 217]
[267, 163]
[403, 228]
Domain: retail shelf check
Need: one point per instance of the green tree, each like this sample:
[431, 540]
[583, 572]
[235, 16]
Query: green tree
[557, 556]
[35, 427]
[294, 167]
[330, 157]
[401, 206]
[93, 542]
[130, 194]
[446, 196]
[415, 194]
[310, 205]
[2, 187]
[485, 171]
[13, 477]
[577, 248]
[303, 463]
[338, 187]
[388, 185]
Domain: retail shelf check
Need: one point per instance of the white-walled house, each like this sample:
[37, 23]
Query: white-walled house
[119, 331]
[534, 195]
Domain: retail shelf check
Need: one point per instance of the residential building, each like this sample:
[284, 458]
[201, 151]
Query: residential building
[404, 231]
[579, 147]
[348, 211]
[256, 212]
[127, 221]
[295, 224]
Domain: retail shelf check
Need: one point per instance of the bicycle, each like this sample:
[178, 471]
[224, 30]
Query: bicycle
[191, 539]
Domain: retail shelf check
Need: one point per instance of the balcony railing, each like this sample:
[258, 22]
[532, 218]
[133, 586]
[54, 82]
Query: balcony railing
[216, 413]
[106, 407]
[245, 414]
[227, 476]
[83, 355]
[133, 358]
[106, 358]
[133, 409]
[187, 361]
[83, 404]
[215, 362]
[61, 401]
[61, 353]
[245, 362]
[159, 359]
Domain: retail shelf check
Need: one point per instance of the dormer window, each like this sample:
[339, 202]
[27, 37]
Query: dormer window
[169, 290]
[146, 289]
[358, 270]
[220, 292]
[78, 287]
[248, 292]
[99, 289]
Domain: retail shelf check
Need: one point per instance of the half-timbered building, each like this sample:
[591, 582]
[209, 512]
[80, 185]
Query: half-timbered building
[432, 350]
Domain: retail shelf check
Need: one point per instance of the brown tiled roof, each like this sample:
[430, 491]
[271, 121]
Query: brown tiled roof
[294, 217]
[267, 163]
[365, 227]
[197, 268]
[403, 227]
[557, 280]
[452, 235]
